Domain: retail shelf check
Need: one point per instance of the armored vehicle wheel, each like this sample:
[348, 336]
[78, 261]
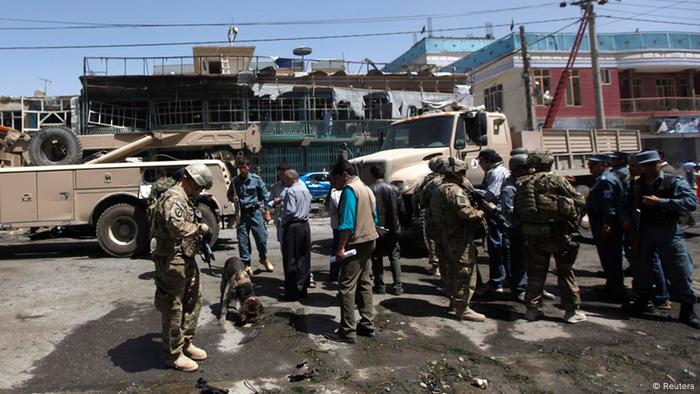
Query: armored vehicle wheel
[122, 230]
[54, 146]
[210, 219]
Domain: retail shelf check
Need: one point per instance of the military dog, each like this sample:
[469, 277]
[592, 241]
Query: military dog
[236, 285]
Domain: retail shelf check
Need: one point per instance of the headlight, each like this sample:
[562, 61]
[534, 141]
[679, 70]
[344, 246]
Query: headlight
[406, 186]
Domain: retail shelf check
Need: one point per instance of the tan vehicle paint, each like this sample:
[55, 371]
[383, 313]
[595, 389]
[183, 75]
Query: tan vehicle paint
[73, 195]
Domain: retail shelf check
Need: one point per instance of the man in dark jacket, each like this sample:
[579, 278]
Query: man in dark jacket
[390, 209]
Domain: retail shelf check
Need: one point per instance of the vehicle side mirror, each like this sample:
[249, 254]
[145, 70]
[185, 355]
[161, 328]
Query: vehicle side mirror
[460, 144]
[483, 140]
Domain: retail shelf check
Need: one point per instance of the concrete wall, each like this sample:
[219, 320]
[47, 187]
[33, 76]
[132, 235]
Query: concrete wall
[513, 96]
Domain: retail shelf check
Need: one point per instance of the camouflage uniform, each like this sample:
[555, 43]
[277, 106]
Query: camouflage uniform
[546, 235]
[421, 201]
[456, 222]
[174, 244]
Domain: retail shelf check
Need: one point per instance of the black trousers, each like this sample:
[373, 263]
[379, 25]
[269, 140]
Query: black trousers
[296, 258]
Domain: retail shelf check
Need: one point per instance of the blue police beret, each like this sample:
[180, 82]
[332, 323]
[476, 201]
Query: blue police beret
[620, 155]
[599, 157]
[647, 156]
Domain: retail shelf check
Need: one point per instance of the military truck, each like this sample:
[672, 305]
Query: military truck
[408, 145]
[109, 200]
[60, 145]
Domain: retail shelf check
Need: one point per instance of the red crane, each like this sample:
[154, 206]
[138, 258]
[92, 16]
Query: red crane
[561, 86]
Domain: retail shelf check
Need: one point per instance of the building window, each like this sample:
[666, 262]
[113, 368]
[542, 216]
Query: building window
[377, 106]
[11, 119]
[573, 90]
[605, 76]
[185, 112]
[226, 110]
[493, 98]
[638, 88]
[542, 84]
[665, 88]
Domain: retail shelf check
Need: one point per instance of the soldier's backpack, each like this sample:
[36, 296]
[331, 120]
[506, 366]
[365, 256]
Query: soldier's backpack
[158, 189]
[536, 201]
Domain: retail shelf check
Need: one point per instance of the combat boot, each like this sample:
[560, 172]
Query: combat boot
[194, 352]
[688, 316]
[574, 316]
[533, 314]
[640, 306]
[466, 313]
[182, 363]
[267, 264]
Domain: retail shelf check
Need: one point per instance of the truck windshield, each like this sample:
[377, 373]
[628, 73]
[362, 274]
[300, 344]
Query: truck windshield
[433, 132]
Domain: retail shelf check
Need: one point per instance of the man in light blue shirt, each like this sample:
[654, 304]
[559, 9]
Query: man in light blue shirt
[296, 236]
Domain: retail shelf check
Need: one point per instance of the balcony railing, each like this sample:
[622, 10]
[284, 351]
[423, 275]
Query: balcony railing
[660, 104]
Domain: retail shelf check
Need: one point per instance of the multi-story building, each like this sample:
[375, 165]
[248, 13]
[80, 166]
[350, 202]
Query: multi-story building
[651, 82]
[435, 53]
[306, 115]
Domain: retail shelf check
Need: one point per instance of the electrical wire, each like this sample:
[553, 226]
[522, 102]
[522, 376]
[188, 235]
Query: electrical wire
[656, 7]
[646, 20]
[381, 19]
[655, 15]
[258, 40]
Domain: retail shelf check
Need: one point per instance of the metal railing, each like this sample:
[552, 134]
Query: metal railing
[202, 65]
[660, 104]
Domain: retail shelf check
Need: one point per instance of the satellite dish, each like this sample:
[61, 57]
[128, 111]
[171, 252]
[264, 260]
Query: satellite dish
[301, 51]
[232, 33]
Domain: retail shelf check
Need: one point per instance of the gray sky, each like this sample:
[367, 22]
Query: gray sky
[21, 69]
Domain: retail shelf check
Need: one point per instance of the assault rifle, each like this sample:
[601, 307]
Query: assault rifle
[204, 248]
[490, 208]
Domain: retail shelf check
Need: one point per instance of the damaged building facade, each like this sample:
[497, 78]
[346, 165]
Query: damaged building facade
[306, 111]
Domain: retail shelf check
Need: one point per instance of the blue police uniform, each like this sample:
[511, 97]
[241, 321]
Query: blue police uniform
[603, 206]
[252, 195]
[659, 229]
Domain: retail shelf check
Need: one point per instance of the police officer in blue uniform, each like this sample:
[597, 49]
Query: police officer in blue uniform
[252, 196]
[603, 208]
[660, 201]
[620, 168]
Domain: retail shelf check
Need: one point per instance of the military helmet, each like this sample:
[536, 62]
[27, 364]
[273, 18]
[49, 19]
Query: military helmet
[435, 164]
[200, 174]
[540, 160]
[517, 161]
[452, 166]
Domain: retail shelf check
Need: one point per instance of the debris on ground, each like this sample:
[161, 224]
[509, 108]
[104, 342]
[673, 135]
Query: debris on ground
[206, 388]
[480, 383]
[302, 372]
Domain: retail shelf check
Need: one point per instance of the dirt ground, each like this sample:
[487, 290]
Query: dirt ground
[75, 320]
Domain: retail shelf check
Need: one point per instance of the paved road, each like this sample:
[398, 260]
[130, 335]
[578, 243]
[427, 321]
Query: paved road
[75, 320]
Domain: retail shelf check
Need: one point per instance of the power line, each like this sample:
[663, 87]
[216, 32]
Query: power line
[656, 7]
[381, 19]
[337, 36]
[655, 15]
[648, 20]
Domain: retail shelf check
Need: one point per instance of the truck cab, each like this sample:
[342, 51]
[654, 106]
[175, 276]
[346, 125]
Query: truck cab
[410, 143]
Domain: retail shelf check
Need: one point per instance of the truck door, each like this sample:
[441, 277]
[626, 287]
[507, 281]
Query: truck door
[18, 198]
[55, 195]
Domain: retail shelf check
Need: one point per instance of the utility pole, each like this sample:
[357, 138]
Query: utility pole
[527, 78]
[597, 88]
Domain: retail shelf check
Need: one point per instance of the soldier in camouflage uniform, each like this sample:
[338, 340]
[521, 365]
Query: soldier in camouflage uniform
[458, 222]
[421, 202]
[174, 242]
[547, 207]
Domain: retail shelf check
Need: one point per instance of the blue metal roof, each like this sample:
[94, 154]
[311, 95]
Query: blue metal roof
[434, 45]
[563, 42]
